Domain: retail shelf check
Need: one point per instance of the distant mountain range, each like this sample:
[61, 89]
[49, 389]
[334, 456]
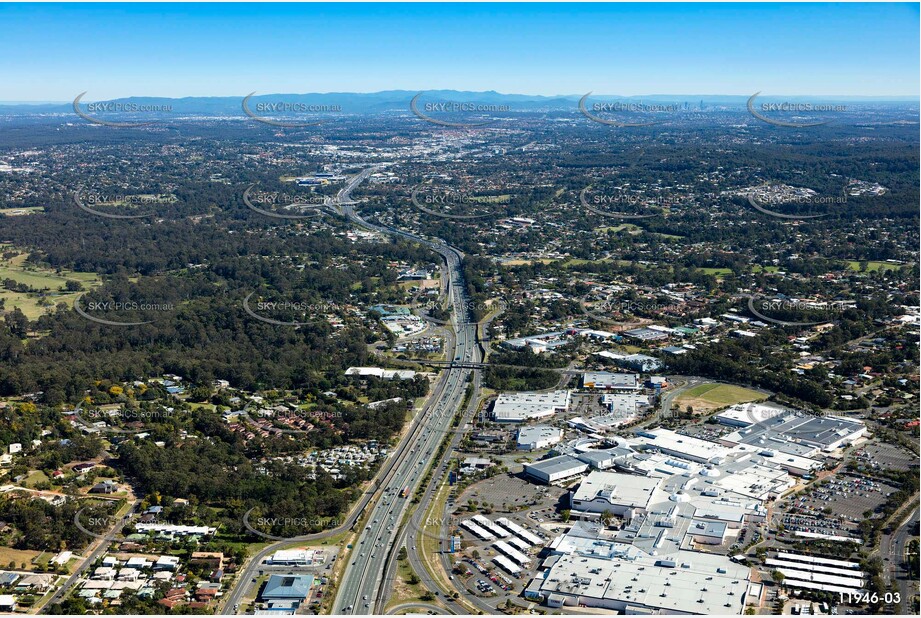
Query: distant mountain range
[398, 101]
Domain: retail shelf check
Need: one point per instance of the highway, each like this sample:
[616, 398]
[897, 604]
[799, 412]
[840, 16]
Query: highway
[360, 588]
[893, 548]
[396, 471]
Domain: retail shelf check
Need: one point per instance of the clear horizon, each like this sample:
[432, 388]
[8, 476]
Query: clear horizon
[55, 51]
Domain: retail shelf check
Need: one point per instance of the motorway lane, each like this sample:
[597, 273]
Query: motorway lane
[359, 588]
[388, 469]
[384, 474]
[893, 550]
[360, 585]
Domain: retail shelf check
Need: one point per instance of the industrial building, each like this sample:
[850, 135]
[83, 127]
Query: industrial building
[555, 469]
[538, 437]
[519, 407]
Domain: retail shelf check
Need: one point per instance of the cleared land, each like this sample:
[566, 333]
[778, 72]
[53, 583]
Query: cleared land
[15, 212]
[709, 397]
[52, 282]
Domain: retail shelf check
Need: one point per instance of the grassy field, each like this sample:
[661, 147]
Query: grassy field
[19, 556]
[15, 212]
[873, 266]
[35, 477]
[33, 305]
[719, 272]
[758, 268]
[708, 397]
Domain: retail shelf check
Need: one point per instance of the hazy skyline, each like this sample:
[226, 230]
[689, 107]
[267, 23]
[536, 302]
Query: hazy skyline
[54, 51]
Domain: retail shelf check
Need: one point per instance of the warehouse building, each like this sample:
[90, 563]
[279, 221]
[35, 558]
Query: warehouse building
[646, 334]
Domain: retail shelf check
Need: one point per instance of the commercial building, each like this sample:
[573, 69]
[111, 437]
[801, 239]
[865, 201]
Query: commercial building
[800, 434]
[625, 404]
[637, 362]
[646, 334]
[175, 530]
[296, 557]
[681, 583]
[679, 445]
[538, 437]
[604, 380]
[747, 414]
[383, 374]
[519, 407]
[624, 495]
[538, 343]
[285, 593]
[555, 469]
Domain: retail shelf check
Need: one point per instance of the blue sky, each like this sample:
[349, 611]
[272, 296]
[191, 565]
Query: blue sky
[52, 52]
